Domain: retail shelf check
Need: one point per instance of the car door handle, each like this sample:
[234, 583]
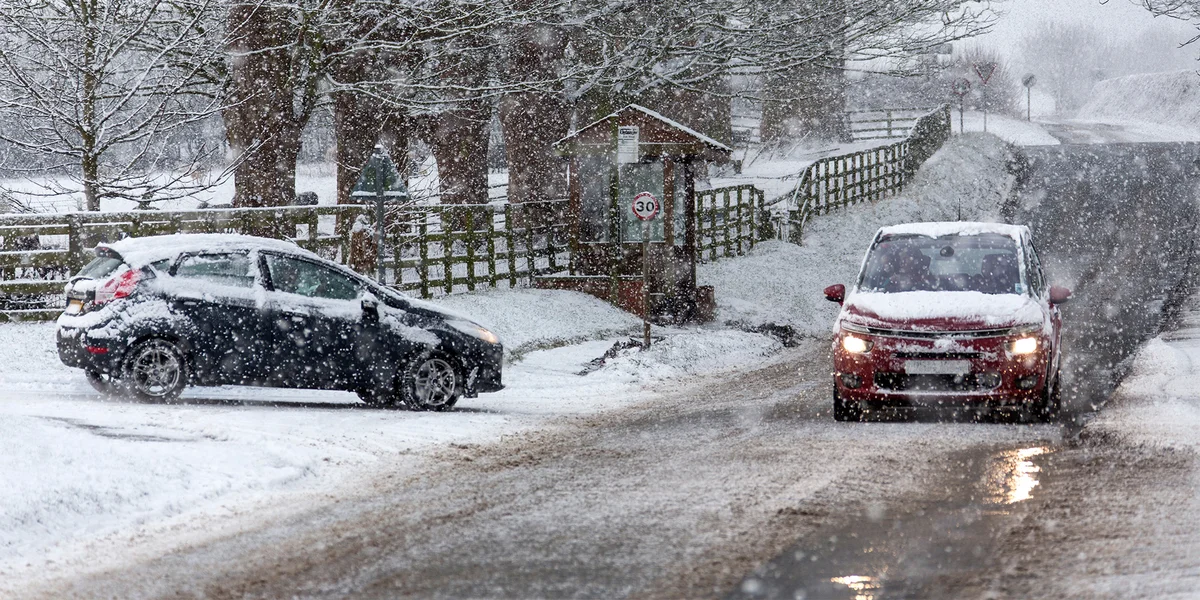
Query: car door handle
[190, 303]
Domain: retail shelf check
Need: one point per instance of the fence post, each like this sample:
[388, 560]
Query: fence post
[491, 245]
[470, 241]
[423, 252]
[447, 225]
[510, 245]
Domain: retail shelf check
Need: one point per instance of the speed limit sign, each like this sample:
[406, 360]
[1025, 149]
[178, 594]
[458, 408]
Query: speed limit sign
[645, 206]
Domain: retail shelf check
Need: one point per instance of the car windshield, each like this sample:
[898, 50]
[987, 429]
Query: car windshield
[908, 263]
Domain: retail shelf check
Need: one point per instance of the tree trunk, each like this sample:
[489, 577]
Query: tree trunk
[533, 120]
[262, 123]
[459, 139]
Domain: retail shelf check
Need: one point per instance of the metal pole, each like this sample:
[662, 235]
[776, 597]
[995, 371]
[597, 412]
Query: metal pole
[985, 108]
[1028, 106]
[962, 105]
[379, 216]
[645, 285]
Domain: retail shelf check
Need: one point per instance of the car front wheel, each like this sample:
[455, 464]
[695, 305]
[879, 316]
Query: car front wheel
[431, 382]
[155, 370]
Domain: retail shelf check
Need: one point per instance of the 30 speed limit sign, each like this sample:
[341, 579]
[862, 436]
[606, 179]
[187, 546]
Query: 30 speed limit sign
[645, 206]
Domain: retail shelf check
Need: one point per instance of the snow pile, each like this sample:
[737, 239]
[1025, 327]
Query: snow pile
[1170, 101]
[780, 283]
[527, 319]
[1158, 403]
[702, 352]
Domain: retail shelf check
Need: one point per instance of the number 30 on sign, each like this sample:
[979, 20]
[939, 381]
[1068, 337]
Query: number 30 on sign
[645, 206]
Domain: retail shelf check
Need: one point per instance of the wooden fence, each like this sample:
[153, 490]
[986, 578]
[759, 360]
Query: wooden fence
[429, 250]
[729, 221]
[884, 123]
[839, 181]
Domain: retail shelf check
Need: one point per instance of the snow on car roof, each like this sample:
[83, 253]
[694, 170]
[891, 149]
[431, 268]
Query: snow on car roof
[141, 251]
[945, 228]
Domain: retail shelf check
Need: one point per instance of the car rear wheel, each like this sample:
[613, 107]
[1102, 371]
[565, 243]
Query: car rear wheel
[155, 370]
[377, 398]
[103, 382]
[845, 411]
[431, 382]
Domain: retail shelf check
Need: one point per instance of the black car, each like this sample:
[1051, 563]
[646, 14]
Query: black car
[151, 315]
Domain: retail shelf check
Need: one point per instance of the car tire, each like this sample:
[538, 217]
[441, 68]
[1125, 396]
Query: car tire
[1051, 403]
[155, 370]
[104, 383]
[845, 411]
[433, 381]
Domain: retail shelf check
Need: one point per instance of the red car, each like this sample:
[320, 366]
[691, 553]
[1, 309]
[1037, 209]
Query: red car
[948, 315]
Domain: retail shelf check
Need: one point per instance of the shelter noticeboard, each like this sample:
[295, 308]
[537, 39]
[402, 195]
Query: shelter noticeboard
[630, 152]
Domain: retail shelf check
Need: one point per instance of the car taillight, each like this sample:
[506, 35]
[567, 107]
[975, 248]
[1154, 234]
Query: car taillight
[121, 286]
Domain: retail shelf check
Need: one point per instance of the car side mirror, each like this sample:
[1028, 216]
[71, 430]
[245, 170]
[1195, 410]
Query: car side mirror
[1059, 294]
[836, 293]
[370, 305]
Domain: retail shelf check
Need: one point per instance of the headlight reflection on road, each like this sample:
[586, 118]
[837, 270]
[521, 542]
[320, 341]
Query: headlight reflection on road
[1013, 475]
[864, 586]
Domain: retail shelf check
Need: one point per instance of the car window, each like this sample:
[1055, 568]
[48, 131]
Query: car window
[297, 276]
[232, 269]
[1037, 280]
[985, 263]
[100, 267]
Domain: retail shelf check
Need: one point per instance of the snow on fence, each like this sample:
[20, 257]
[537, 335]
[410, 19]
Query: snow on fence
[836, 182]
[430, 250]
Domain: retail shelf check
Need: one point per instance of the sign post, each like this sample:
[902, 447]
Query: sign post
[645, 208]
[1028, 82]
[961, 88]
[380, 180]
[985, 71]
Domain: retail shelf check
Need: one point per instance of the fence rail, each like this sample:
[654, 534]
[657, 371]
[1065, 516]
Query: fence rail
[884, 123]
[429, 250]
[839, 181]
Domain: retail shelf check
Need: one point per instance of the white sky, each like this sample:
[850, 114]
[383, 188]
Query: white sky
[1120, 18]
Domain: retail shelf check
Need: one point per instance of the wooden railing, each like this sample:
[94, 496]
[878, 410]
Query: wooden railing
[429, 250]
[836, 182]
[729, 221]
[884, 123]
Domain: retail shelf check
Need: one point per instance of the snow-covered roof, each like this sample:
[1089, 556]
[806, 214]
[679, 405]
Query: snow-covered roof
[656, 115]
[945, 228]
[141, 251]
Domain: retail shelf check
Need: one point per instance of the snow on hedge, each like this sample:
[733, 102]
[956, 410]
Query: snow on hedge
[780, 283]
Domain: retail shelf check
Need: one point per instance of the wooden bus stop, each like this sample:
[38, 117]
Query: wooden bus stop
[631, 151]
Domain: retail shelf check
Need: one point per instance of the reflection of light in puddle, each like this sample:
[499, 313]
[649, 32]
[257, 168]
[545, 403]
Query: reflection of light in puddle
[864, 586]
[1013, 475]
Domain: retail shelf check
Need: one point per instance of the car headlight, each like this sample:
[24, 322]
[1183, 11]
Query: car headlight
[1025, 345]
[856, 345]
[475, 331]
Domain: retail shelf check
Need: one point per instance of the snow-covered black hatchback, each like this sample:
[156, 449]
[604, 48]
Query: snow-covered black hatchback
[149, 316]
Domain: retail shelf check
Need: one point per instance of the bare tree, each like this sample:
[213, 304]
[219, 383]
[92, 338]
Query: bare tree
[98, 86]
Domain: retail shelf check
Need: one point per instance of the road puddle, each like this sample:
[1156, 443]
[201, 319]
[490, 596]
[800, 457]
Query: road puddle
[864, 586]
[1013, 476]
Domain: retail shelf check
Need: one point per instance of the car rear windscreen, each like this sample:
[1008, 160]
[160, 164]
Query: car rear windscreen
[101, 266]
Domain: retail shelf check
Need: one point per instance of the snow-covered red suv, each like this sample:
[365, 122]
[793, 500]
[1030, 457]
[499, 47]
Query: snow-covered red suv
[948, 315]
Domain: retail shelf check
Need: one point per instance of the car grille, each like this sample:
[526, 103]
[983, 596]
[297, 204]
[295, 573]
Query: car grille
[939, 355]
[903, 382]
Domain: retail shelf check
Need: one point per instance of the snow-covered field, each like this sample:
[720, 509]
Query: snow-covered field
[1015, 131]
[780, 283]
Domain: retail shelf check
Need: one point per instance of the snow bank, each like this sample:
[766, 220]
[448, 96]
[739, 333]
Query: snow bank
[780, 283]
[1166, 103]
[1018, 132]
[527, 319]
[1158, 403]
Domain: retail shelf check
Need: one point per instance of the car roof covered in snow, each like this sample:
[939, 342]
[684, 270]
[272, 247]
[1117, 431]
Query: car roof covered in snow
[947, 228]
[141, 251]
